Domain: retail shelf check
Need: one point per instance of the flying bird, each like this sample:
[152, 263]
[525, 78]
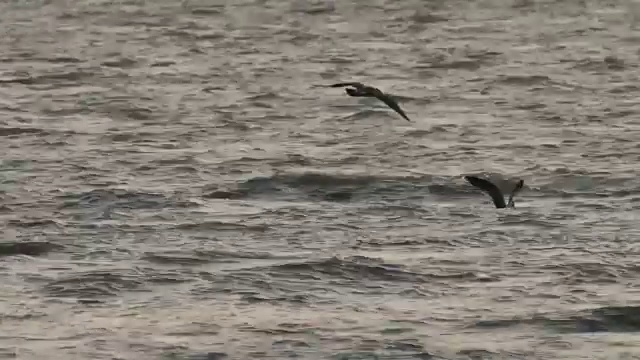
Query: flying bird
[360, 90]
[494, 192]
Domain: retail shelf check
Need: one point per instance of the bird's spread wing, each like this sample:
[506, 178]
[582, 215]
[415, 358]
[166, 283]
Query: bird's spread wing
[515, 191]
[390, 102]
[356, 85]
[489, 188]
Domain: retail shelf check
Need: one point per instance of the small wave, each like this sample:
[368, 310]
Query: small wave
[606, 64]
[25, 223]
[95, 283]
[197, 356]
[112, 282]
[359, 268]
[120, 198]
[204, 256]
[315, 186]
[319, 186]
[220, 226]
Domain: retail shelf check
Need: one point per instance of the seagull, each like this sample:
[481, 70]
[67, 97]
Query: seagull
[360, 90]
[494, 192]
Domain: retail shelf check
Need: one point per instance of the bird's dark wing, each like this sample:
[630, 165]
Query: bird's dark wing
[489, 188]
[356, 85]
[515, 191]
[390, 102]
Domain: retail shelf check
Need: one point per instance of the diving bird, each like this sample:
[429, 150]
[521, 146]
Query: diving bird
[360, 90]
[494, 192]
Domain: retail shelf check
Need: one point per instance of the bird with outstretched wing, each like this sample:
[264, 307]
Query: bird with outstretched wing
[495, 193]
[361, 90]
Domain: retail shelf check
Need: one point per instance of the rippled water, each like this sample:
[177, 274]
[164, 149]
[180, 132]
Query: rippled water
[173, 186]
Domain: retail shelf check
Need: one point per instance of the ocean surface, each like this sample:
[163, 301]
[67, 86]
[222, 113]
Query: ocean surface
[175, 186]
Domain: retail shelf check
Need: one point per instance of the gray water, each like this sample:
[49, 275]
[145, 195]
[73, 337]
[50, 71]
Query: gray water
[179, 189]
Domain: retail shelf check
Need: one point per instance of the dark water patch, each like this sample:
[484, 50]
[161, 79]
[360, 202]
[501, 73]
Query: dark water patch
[131, 136]
[205, 256]
[121, 62]
[435, 129]
[522, 80]
[399, 242]
[12, 131]
[601, 194]
[220, 226]
[625, 319]
[107, 283]
[494, 324]
[342, 188]
[604, 65]
[409, 209]
[279, 329]
[59, 59]
[461, 64]
[128, 112]
[576, 324]
[19, 56]
[144, 200]
[167, 276]
[362, 268]
[200, 356]
[224, 194]
[176, 258]
[195, 328]
[299, 298]
[26, 223]
[30, 248]
[257, 287]
[624, 89]
[242, 255]
[238, 283]
[619, 318]
[357, 268]
[482, 53]
[24, 80]
[588, 273]
[593, 207]
[209, 10]
[426, 17]
[89, 225]
[267, 96]
[61, 78]
[479, 354]
[286, 344]
[104, 222]
[96, 283]
[162, 63]
[384, 355]
[107, 200]
[313, 8]
[9, 353]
